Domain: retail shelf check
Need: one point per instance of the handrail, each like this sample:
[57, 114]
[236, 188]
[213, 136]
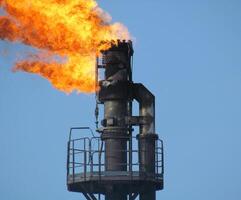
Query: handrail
[80, 128]
[89, 161]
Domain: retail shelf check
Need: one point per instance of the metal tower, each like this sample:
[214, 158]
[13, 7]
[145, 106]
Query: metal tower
[118, 165]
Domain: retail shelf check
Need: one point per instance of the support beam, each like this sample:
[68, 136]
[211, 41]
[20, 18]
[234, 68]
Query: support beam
[133, 196]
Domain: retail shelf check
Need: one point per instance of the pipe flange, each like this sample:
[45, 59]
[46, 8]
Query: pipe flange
[111, 135]
[115, 129]
[147, 136]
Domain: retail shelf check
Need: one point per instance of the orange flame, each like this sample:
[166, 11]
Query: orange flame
[72, 29]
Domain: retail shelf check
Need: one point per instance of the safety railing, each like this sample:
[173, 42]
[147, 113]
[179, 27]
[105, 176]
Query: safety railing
[85, 158]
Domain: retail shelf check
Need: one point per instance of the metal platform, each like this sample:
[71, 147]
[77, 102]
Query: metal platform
[86, 169]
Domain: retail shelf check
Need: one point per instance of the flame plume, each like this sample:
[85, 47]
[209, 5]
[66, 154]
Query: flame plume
[74, 30]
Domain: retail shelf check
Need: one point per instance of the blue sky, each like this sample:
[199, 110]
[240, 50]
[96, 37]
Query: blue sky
[188, 54]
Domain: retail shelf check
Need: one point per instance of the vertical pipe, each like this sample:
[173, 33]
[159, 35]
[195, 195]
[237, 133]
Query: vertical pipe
[114, 94]
[116, 144]
[129, 109]
[146, 139]
[148, 194]
[116, 141]
[147, 154]
[147, 160]
[130, 114]
[117, 195]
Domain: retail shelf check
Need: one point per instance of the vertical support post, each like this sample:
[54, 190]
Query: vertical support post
[130, 155]
[73, 161]
[85, 165]
[91, 153]
[162, 157]
[68, 146]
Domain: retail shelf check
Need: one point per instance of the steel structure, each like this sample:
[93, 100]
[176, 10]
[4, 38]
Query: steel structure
[118, 165]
